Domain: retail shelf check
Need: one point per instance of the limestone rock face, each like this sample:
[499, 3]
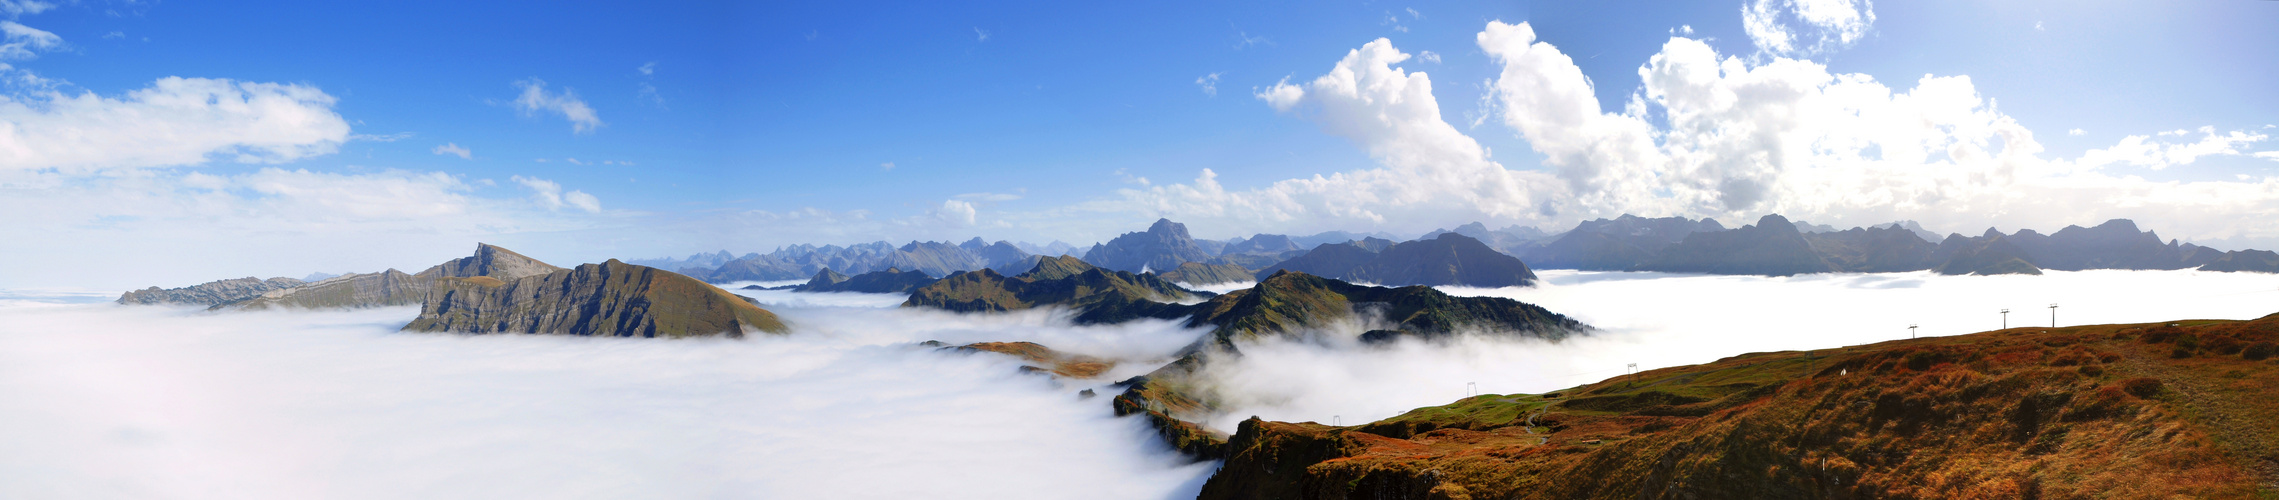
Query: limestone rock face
[608, 299]
[209, 293]
[490, 261]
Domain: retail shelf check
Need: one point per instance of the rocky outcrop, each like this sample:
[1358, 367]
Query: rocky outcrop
[209, 293]
[490, 261]
[1162, 247]
[607, 299]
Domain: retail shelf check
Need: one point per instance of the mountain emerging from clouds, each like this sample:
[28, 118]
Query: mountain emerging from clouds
[496, 290]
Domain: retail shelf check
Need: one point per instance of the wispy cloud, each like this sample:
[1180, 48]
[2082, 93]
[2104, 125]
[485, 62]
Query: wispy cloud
[535, 99]
[19, 42]
[453, 149]
[1209, 83]
[981, 34]
[549, 194]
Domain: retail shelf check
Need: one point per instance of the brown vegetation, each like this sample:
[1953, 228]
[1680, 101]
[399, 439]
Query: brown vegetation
[2109, 411]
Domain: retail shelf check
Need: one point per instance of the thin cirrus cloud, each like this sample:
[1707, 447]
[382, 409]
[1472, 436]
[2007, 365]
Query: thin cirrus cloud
[1727, 138]
[18, 42]
[174, 121]
[535, 100]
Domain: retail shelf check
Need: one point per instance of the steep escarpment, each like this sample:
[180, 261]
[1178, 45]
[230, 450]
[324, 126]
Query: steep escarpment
[608, 299]
[2164, 410]
[209, 293]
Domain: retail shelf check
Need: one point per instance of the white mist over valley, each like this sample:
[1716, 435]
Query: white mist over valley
[107, 401]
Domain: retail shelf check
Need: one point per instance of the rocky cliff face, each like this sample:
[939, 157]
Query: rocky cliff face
[608, 299]
[209, 293]
[2120, 411]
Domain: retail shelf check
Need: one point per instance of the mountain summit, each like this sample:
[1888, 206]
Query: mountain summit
[1161, 248]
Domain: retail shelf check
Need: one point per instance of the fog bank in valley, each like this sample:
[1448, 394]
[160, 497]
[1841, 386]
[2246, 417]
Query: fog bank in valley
[104, 401]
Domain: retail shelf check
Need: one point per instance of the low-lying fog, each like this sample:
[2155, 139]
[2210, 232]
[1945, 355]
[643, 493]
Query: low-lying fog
[103, 401]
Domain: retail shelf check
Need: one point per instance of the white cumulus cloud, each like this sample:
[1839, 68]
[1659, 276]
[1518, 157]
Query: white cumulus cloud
[1705, 135]
[535, 100]
[1209, 83]
[174, 121]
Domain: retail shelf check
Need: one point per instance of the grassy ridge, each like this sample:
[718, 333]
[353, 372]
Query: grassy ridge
[2189, 409]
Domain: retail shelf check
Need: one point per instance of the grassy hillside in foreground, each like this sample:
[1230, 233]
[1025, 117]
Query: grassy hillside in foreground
[2186, 409]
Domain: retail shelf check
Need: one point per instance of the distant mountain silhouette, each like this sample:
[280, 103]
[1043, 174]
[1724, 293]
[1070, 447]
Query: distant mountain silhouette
[1617, 244]
[1162, 247]
[1771, 247]
[1447, 259]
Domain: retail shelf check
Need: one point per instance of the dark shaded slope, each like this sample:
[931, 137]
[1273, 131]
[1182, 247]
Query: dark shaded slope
[1771, 247]
[1883, 249]
[1615, 244]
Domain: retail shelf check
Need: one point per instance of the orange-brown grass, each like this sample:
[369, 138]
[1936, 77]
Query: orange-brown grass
[1048, 360]
[2107, 411]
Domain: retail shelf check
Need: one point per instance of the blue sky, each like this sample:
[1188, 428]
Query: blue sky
[712, 125]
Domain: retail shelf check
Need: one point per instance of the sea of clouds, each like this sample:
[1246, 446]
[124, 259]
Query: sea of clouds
[105, 401]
